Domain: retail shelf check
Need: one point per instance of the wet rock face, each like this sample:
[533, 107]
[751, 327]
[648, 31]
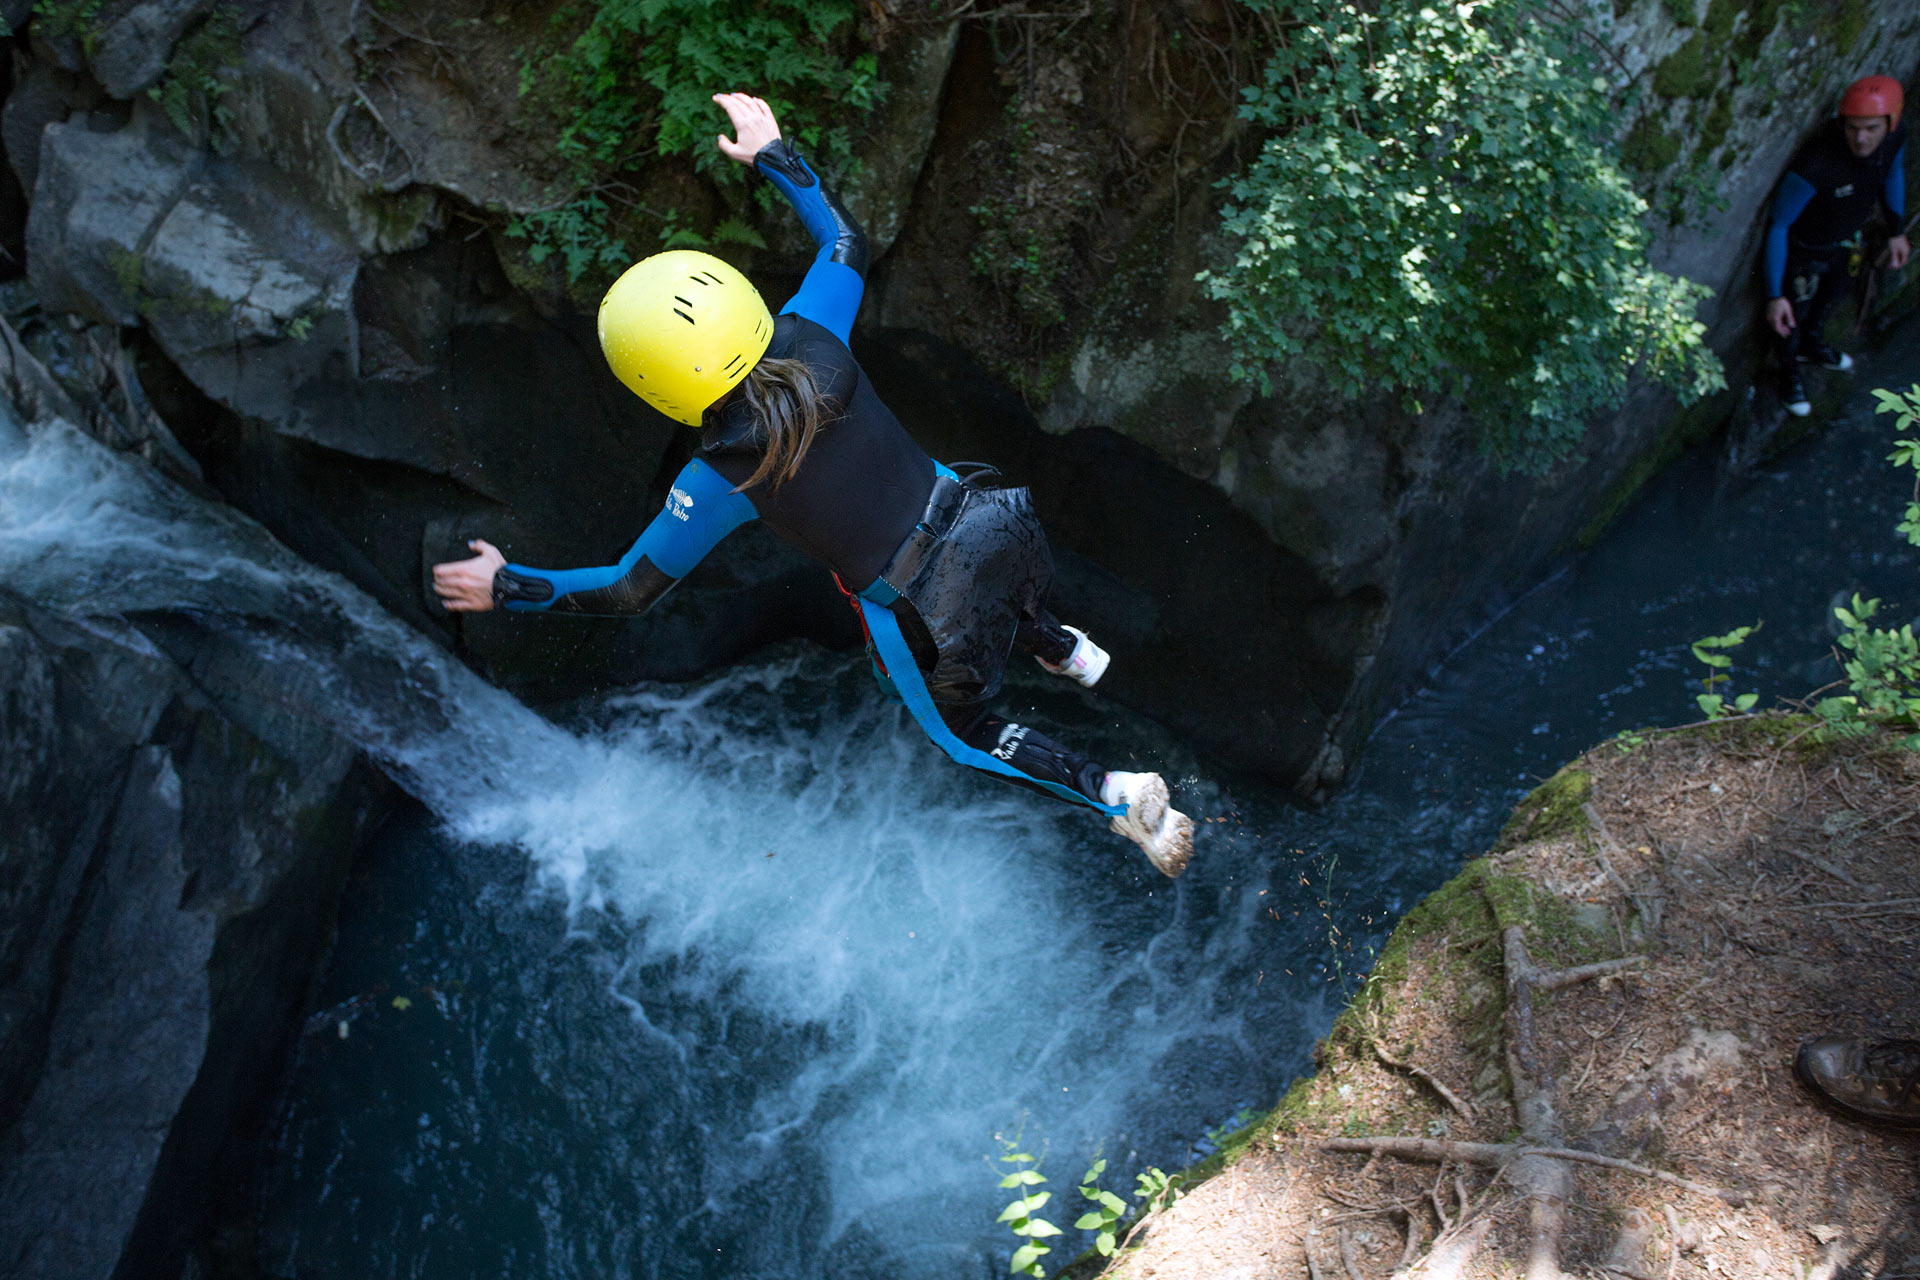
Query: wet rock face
[167, 873]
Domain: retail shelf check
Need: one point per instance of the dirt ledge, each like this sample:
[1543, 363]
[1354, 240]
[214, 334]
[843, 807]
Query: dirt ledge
[1770, 888]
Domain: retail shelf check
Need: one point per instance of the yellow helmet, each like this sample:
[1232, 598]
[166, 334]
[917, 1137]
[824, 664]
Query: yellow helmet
[681, 328]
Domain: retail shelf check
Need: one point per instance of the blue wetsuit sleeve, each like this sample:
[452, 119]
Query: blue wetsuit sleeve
[701, 510]
[1895, 192]
[1788, 203]
[830, 295]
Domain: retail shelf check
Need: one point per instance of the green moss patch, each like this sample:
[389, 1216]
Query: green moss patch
[1551, 811]
[1687, 72]
[1648, 148]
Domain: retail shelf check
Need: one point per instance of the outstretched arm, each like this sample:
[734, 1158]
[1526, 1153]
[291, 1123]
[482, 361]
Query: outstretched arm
[701, 510]
[830, 295]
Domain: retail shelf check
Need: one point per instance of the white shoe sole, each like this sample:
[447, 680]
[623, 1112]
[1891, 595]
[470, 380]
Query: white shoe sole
[1163, 832]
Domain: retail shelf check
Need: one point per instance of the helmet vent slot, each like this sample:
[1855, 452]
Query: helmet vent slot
[682, 301]
[683, 315]
[728, 368]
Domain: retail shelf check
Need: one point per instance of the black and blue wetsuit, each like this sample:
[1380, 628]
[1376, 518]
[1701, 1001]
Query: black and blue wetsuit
[949, 577]
[1823, 203]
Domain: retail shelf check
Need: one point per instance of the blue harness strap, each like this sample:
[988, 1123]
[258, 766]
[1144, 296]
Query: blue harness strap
[903, 674]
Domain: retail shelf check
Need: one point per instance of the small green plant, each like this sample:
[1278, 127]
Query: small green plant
[194, 89]
[1151, 1187]
[1108, 1209]
[1710, 650]
[1881, 665]
[1020, 1214]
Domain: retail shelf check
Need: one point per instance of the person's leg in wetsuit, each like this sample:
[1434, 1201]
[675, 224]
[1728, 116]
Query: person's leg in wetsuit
[1024, 747]
[1816, 282]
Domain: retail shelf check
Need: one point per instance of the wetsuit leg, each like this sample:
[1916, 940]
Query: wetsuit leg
[1023, 747]
[1816, 281]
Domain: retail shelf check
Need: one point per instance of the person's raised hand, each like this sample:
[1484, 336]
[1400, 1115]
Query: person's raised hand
[1780, 316]
[1898, 251]
[753, 126]
[466, 586]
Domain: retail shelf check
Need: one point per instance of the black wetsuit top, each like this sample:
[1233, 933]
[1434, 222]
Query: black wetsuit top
[864, 482]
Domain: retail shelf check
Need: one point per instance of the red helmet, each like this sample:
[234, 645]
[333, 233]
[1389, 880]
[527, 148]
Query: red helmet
[1874, 96]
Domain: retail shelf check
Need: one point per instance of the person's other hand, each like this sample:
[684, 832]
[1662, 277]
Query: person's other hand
[466, 586]
[1780, 316]
[753, 124]
[1898, 251]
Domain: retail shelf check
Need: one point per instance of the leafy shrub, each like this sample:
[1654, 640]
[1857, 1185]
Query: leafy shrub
[623, 80]
[1434, 209]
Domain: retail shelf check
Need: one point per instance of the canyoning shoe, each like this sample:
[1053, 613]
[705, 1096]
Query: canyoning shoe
[1875, 1081]
[1831, 357]
[1086, 664]
[1793, 396]
[1150, 821]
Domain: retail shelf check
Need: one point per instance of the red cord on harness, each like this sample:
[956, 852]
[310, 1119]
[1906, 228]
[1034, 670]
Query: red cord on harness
[853, 598]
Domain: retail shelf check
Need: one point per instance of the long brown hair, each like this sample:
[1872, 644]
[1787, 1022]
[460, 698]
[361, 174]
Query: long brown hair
[790, 409]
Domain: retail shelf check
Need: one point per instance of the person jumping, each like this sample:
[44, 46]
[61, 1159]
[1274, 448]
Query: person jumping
[948, 574]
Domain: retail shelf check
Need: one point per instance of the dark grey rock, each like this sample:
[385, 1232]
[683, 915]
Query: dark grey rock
[169, 878]
[131, 45]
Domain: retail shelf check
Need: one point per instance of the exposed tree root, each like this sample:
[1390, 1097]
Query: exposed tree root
[1536, 1166]
[1430, 1150]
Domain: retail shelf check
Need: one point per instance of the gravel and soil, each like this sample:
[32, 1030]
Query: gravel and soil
[1627, 976]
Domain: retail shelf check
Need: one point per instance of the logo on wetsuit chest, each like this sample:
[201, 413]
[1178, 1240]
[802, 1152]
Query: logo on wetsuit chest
[680, 502]
[1841, 193]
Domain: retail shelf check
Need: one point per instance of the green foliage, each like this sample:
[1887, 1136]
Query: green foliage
[1435, 209]
[1883, 678]
[577, 231]
[194, 88]
[1020, 1213]
[1905, 406]
[1152, 1187]
[1708, 649]
[626, 79]
[1881, 665]
[69, 18]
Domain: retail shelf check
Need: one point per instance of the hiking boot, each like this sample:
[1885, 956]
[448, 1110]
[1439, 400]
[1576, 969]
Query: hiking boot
[1150, 821]
[1086, 664]
[1794, 396]
[1876, 1081]
[1831, 357]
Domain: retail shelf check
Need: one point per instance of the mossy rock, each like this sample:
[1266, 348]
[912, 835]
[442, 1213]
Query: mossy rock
[1720, 18]
[1647, 147]
[1689, 71]
[1713, 131]
[1685, 13]
[1848, 21]
[1551, 811]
